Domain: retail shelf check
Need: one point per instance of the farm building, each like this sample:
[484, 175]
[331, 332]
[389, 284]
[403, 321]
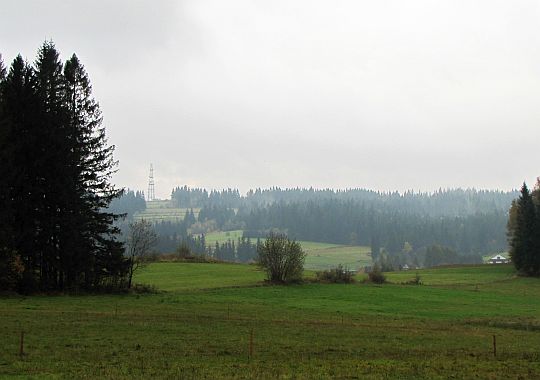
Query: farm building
[498, 259]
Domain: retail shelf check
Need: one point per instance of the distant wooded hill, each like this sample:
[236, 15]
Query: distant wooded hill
[471, 222]
[453, 202]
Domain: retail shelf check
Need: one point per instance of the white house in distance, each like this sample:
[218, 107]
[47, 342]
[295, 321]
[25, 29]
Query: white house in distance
[498, 259]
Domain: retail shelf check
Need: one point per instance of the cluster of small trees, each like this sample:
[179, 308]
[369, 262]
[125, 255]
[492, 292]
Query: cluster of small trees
[55, 175]
[243, 250]
[524, 231]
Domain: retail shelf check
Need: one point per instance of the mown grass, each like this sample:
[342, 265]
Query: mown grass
[457, 275]
[177, 276]
[201, 326]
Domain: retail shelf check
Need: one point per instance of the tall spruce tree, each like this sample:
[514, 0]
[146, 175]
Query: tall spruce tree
[522, 233]
[535, 254]
[93, 192]
[54, 163]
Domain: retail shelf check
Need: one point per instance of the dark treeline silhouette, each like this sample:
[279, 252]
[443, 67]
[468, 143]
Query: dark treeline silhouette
[129, 203]
[450, 202]
[55, 232]
[349, 222]
[186, 197]
[467, 221]
[243, 250]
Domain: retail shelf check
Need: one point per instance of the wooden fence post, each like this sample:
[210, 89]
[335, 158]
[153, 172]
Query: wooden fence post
[251, 343]
[21, 345]
[494, 346]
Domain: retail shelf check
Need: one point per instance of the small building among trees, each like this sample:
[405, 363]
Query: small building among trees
[498, 259]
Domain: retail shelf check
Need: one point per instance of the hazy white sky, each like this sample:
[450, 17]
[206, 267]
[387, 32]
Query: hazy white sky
[387, 95]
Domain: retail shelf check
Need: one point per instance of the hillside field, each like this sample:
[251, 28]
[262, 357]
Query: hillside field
[200, 326]
[163, 211]
[320, 256]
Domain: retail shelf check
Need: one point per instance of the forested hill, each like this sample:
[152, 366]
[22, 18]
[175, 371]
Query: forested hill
[471, 222]
[355, 223]
[452, 202]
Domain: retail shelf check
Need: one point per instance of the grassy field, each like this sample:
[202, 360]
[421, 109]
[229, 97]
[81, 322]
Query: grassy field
[163, 210]
[200, 327]
[223, 237]
[189, 276]
[320, 256]
[474, 275]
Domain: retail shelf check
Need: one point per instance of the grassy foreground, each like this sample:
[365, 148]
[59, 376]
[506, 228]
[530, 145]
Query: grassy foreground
[202, 325]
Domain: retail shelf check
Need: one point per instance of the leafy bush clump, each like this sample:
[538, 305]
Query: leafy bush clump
[281, 258]
[338, 275]
[376, 276]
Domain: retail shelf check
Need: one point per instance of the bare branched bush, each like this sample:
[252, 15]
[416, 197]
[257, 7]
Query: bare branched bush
[140, 241]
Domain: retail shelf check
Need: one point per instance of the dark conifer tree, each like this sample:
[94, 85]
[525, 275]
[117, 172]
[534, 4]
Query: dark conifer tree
[56, 182]
[2, 69]
[20, 197]
[56, 165]
[535, 253]
[93, 166]
[522, 235]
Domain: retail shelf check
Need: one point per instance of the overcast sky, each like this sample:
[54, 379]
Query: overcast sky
[386, 95]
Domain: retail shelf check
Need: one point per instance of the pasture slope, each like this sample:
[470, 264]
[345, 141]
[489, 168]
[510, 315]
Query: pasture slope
[200, 326]
[163, 211]
[320, 256]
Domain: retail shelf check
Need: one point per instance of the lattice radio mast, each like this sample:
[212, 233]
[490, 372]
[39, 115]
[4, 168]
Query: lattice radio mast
[151, 191]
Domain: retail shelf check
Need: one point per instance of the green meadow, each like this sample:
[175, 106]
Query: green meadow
[222, 321]
[320, 256]
[222, 237]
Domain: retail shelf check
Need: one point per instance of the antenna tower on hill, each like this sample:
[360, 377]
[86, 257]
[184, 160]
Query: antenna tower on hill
[151, 192]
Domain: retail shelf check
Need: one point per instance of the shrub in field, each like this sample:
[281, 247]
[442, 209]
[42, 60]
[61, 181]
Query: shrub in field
[338, 275]
[417, 280]
[376, 276]
[281, 258]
